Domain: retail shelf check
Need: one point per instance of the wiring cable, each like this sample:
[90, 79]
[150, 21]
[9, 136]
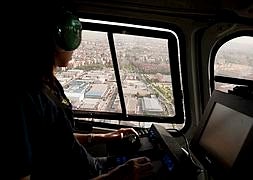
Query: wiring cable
[187, 151]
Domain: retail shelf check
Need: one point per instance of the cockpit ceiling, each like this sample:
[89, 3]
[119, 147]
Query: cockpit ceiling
[242, 8]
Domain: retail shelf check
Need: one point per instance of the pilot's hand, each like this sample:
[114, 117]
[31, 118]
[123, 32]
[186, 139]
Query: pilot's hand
[133, 169]
[119, 134]
[139, 168]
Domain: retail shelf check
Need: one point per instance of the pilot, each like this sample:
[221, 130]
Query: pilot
[47, 147]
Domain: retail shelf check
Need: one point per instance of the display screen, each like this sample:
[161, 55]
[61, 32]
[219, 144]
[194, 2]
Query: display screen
[225, 134]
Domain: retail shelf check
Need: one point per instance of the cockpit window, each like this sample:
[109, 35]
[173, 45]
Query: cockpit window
[234, 63]
[124, 73]
[145, 74]
[89, 81]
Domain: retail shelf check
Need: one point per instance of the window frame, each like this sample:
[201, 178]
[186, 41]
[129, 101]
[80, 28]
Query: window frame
[174, 60]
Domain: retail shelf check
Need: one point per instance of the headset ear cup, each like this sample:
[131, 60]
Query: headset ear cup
[68, 32]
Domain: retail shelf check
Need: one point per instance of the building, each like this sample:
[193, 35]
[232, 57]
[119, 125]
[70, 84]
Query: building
[97, 91]
[75, 91]
[151, 105]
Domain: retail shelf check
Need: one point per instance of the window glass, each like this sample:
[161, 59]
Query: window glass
[145, 74]
[89, 80]
[234, 59]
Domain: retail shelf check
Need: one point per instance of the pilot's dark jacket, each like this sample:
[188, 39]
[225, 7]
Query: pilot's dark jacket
[48, 149]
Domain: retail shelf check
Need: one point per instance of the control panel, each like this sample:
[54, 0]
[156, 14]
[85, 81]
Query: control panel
[167, 156]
